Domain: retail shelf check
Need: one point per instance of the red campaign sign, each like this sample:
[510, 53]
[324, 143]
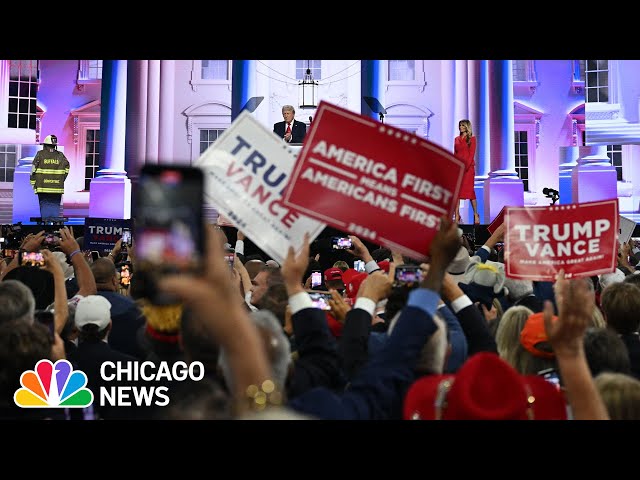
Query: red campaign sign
[373, 180]
[580, 238]
[496, 221]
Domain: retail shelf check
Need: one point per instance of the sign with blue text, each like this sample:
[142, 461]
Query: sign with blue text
[246, 171]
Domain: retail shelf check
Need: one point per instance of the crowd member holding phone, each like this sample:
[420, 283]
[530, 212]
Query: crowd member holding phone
[290, 130]
[82, 271]
[229, 324]
[60, 304]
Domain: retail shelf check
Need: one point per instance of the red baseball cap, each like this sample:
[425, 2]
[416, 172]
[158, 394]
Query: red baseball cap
[354, 283]
[484, 388]
[348, 274]
[384, 265]
[333, 273]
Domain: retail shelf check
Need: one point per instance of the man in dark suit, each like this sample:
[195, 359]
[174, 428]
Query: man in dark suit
[290, 130]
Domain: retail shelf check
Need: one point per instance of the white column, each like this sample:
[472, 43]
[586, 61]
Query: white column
[166, 113]
[479, 115]
[4, 93]
[461, 94]
[135, 152]
[110, 191]
[501, 113]
[503, 187]
[113, 122]
[594, 178]
[449, 122]
[153, 111]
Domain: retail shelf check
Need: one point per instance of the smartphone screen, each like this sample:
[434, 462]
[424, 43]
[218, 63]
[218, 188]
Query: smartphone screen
[551, 375]
[126, 237]
[358, 265]
[316, 279]
[229, 257]
[8, 252]
[408, 274]
[51, 239]
[341, 243]
[320, 300]
[32, 259]
[125, 275]
[169, 226]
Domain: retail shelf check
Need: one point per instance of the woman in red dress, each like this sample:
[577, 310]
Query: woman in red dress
[465, 149]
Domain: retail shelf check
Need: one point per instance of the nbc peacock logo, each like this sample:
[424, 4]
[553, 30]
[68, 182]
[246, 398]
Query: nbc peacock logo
[53, 386]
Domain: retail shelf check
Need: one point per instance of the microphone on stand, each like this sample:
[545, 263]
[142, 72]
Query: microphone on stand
[310, 119]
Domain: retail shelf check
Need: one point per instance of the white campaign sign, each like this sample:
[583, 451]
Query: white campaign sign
[246, 171]
[625, 232]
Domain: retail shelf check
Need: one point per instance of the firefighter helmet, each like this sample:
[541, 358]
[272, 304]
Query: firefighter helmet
[50, 140]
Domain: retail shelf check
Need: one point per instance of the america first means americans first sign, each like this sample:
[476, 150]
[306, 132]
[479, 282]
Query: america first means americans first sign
[376, 181]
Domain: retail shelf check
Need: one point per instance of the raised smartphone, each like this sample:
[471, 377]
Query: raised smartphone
[169, 227]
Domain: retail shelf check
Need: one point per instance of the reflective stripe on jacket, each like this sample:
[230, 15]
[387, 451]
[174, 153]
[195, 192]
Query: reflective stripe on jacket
[49, 170]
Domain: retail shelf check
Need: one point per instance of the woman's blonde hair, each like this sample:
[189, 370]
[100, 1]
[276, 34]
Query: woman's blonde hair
[508, 333]
[621, 395]
[597, 319]
[467, 123]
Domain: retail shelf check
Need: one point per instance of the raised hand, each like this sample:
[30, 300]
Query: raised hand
[32, 242]
[339, 308]
[359, 249]
[294, 267]
[377, 286]
[575, 309]
[445, 243]
[68, 243]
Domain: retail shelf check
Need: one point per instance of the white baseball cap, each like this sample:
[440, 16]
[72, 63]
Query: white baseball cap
[93, 309]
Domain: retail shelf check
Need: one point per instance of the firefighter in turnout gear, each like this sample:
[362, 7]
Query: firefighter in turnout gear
[49, 170]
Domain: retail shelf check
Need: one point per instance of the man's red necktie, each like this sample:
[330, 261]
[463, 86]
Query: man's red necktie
[288, 128]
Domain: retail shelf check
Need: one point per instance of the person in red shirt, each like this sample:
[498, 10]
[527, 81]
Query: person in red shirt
[465, 149]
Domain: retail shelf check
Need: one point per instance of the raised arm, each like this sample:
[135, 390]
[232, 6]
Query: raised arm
[82, 270]
[566, 336]
[359, 250]
[229, 324]
[496, 237]
[30, 243]
[60, 305]
[475, 327]
[353, 344]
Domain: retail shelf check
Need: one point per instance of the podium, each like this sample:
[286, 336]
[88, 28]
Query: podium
[295, 148]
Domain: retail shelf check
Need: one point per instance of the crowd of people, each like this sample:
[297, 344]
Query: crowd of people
[456, 340]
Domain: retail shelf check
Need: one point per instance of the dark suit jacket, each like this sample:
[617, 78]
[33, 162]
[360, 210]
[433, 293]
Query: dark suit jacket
[126, 320]
[318, 363]
[298, 130]
[377, 392]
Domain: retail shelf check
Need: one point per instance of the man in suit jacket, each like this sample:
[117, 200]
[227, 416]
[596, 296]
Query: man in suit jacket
[298, 129]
